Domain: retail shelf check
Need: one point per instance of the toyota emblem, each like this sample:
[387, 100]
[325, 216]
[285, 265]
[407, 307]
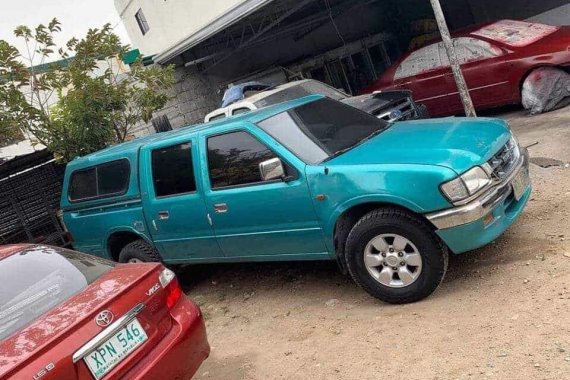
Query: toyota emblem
[104, 318]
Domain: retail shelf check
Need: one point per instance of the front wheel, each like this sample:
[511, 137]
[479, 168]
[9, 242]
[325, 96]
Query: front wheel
[395, 256]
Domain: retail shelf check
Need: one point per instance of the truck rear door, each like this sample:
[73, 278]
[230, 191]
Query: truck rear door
[173, 201]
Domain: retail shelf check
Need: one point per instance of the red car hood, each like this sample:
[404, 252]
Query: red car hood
[17, 350]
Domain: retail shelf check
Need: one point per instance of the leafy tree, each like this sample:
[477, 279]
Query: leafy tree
[82, 102]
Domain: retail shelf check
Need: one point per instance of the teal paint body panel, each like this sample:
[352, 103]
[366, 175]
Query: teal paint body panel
[294, 219]
[91, 227]
[186, 234]
[475, 235]
[345, 186]
[275, 218]
[455, 143]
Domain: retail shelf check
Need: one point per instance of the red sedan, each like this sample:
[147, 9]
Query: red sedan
[66, 315]
[495, 58]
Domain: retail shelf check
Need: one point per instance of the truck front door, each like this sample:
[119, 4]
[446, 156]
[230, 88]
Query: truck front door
[173, 202]
[254, 219]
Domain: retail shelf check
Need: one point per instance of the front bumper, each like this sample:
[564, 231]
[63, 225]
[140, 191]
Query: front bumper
[482, 220]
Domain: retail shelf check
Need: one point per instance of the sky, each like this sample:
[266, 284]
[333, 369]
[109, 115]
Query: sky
[76, 17]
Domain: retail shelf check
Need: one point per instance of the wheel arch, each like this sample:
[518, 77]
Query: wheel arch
[350, 213]
[530, 70]
[118, 239]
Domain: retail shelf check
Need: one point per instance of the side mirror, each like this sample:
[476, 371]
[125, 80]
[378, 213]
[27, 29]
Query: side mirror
[271, 169]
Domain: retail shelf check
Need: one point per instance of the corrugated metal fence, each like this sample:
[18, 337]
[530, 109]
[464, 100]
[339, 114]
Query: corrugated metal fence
[30, 188]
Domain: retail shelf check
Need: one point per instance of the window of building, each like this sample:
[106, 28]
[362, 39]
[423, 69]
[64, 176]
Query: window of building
[100, 181]
[173, 171]
[141, 20]
[234, 158]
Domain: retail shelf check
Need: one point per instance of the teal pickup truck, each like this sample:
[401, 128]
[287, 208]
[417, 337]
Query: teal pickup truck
[309, 179]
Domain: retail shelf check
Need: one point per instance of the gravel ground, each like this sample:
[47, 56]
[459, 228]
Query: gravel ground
[501, 313]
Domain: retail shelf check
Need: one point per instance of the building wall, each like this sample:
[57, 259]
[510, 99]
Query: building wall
[556, 16]
[192, 98]
[169, 20]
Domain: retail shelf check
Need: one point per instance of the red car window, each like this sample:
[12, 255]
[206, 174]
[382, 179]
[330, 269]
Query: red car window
[41, 278]
[470, 49]
[428, 58]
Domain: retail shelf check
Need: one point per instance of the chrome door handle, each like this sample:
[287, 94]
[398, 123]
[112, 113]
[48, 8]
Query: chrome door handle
[221, 208]
[163, 215]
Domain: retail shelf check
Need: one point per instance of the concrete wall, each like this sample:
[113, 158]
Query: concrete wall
[169, 20]
[556, 16]
[192, 98]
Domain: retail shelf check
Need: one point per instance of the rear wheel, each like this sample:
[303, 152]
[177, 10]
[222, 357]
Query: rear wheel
[138, 251]
[395, 256]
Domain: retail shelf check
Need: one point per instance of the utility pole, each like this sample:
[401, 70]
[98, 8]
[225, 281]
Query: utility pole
[455, 67]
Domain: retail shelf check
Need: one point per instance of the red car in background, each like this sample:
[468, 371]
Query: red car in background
[66, 315]
[495, 58]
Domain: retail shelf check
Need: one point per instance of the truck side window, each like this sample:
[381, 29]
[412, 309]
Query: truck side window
[239, 111]
[172, 170]
[101, 181]
[234, 158]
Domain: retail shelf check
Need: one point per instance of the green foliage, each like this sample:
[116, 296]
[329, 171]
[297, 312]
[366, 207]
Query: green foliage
[81, 103]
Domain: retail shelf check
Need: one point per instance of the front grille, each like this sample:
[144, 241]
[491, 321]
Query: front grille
[504, 162]
[402, 109]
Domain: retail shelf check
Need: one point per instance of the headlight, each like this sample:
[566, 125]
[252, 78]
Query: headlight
[466, 185]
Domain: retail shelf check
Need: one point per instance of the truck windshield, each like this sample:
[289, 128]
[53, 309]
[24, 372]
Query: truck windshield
[323, 129]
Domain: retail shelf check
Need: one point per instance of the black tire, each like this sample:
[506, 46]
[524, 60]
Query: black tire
[433, 253]
[139, 250]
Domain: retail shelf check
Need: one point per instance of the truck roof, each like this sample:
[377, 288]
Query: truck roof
[131, 148]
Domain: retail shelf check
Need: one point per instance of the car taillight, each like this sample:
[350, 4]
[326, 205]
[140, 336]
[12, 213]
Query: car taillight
[170, 284]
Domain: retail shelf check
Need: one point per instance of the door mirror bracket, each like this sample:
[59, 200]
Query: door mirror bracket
[273, 169]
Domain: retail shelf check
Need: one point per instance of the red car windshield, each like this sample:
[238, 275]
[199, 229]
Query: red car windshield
[515, 33]
[38, 279]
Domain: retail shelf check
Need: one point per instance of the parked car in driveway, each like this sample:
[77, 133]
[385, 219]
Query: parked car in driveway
[390, 106]
[309, 179]
[67, 315]
[496, 59]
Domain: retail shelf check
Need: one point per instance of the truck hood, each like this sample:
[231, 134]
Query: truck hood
[455, 143]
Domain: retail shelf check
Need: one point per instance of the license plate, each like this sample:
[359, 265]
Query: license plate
[115, 349]
[520, 183]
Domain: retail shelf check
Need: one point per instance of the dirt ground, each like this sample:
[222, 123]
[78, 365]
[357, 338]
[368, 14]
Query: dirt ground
[502, 312]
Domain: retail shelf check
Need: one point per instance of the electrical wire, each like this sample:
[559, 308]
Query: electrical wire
[334, 22]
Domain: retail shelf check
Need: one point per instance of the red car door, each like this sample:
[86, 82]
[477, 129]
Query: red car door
[486, 73]
[425, 72]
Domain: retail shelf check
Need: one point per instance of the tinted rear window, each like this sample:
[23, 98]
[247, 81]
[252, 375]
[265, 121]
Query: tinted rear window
[41, 278]
[173, 171]
[100, 181]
